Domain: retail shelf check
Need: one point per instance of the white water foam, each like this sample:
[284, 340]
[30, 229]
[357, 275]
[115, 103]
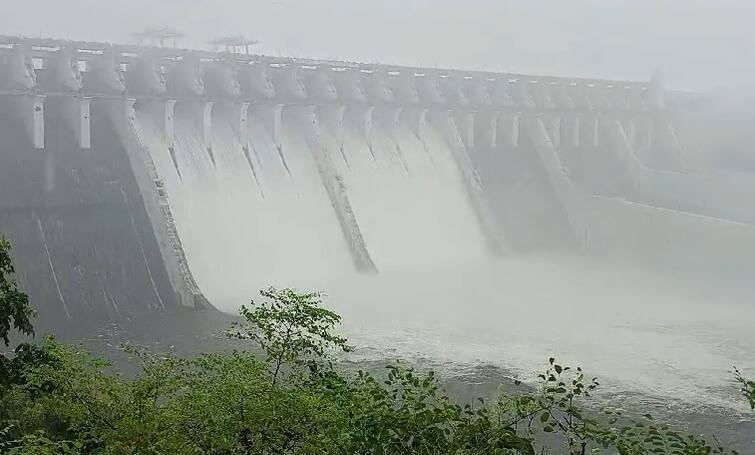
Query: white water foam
[636, 331]
[252, 218]
[409, 199]
[247, 223]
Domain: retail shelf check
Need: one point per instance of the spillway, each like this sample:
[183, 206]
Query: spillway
[249, 215]
[457, 217]
[465, 216]
[198, 178]
[251, 212]
[408, 196]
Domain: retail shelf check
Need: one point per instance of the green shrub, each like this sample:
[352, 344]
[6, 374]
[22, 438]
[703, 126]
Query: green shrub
[748, 387]
[15, 310]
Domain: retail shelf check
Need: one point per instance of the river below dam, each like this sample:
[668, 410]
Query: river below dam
[658, 344]
[632, 328]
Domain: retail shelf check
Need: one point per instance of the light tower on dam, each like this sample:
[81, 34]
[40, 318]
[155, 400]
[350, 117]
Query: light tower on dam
[136, 179]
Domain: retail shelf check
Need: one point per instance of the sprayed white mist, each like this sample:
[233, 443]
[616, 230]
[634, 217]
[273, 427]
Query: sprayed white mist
[408, 197]
[253, 219]
[638, 332]
[260, 216]
[246, 222]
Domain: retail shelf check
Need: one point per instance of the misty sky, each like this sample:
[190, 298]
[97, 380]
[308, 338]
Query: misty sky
[699, 44]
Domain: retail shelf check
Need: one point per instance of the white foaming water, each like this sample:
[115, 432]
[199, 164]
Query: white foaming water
[260, 217]
[634, 330]
[409, 199]
[247, 226]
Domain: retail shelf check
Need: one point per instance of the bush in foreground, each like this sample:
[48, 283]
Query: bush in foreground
[748, 388]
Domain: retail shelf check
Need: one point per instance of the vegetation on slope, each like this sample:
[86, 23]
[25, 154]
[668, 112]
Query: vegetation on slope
[748, 387]
[59, 399]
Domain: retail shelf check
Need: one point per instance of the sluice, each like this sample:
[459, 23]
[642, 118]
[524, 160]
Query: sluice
[135, 180]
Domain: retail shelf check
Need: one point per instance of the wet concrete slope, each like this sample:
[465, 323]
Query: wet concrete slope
[83, 243]
[523, 201]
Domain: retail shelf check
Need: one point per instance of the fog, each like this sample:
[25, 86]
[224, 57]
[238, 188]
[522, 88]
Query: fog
[653, 288]
[699, 44]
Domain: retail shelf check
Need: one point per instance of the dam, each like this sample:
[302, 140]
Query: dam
[136, 180]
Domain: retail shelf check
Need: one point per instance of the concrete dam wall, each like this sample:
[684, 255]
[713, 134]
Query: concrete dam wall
[135, 180]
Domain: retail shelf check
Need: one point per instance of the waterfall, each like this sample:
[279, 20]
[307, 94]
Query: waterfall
[408, 196]
[253, 211]
[250, 213]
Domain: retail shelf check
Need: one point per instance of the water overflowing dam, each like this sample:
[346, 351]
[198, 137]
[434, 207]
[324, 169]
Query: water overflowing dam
[137, 179]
